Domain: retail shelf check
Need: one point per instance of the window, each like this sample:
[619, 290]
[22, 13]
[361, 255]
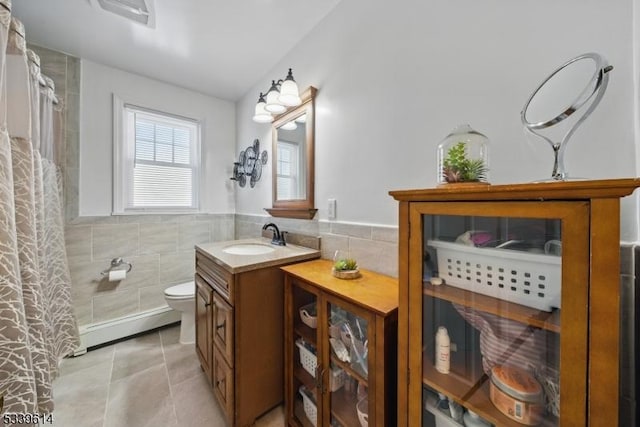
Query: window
[157, 161]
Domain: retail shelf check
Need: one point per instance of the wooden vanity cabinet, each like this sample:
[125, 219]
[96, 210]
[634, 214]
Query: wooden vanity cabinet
[239, 338]
[553, 237]
[323, 388]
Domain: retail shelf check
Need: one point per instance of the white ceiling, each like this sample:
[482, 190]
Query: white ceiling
[218, 47]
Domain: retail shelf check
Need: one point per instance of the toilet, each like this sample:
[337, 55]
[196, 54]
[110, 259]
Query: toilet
[182, 298]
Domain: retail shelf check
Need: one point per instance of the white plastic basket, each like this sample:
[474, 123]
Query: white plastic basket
[336, 380]
[525, 278]
[310, 409]
[308, 360]
[306, 316]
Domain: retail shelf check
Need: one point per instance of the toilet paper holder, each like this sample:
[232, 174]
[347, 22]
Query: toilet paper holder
[115, 264]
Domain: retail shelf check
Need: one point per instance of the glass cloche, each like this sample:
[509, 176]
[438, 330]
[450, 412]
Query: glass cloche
[463, 156]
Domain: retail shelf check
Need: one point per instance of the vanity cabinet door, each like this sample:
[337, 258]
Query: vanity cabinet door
[204, 319]
[223, 388]
[223, 327]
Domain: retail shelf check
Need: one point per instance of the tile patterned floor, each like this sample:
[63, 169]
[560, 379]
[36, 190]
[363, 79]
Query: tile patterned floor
[149, 380]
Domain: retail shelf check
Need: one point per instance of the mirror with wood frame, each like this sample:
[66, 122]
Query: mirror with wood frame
[292, 157]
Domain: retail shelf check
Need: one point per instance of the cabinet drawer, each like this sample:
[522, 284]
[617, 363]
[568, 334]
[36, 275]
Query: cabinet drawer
[223, 327]
[223, 384]
[216, 276]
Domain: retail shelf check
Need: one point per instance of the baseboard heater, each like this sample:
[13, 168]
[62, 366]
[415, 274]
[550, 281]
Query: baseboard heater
[122, 327]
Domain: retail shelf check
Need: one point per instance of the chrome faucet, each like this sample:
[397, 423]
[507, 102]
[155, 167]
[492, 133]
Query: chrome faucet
[278, 237]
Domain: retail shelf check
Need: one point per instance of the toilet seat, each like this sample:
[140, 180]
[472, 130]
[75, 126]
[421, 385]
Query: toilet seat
[182, 291]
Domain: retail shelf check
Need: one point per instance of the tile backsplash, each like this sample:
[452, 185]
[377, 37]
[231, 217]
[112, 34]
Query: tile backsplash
[374, 247]
[160, 248]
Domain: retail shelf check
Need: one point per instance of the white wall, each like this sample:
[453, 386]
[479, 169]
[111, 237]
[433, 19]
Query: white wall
[99, 83]
[395, 77]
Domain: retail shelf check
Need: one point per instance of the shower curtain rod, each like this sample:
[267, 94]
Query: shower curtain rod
[44, 84]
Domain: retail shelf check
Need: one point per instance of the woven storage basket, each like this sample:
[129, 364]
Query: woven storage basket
[522, 277]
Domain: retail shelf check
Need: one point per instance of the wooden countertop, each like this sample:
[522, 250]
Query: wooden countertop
[554, 190]
[241, 263]
[375, 291]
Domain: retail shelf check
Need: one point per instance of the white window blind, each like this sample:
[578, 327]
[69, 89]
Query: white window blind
[159, 162]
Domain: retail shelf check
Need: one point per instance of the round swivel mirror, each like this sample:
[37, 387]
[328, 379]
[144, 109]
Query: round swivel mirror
[576, 87]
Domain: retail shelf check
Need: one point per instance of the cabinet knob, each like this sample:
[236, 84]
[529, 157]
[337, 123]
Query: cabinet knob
[221, 325]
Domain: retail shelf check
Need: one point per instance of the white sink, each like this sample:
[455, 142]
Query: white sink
[248, 249]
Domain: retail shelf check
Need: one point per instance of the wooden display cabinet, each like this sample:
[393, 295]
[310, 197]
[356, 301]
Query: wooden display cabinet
[541, 259]
[339, 389]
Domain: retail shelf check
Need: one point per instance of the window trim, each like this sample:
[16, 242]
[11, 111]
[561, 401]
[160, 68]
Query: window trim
[123, 158]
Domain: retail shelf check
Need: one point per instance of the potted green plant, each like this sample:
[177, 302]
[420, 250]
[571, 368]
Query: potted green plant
[345, 268]
[458, 167]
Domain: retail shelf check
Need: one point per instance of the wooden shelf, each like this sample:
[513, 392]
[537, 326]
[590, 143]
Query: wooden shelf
[530, 316]
[304, 377]
[475, 398]
[349, 370]
[309, 334]
[343, 407]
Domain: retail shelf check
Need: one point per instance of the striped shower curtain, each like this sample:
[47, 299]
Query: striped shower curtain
[37, 326]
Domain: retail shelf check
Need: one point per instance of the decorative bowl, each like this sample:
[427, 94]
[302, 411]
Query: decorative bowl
[346, 274]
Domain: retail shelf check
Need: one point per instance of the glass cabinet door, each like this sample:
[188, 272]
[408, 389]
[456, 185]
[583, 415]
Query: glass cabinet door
[492, 333]
[305, 361]
[347, 373]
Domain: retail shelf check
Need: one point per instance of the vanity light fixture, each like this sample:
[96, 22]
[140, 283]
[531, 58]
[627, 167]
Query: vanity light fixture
[281, 95]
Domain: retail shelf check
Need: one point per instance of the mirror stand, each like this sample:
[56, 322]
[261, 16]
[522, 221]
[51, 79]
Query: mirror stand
[576, 86]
